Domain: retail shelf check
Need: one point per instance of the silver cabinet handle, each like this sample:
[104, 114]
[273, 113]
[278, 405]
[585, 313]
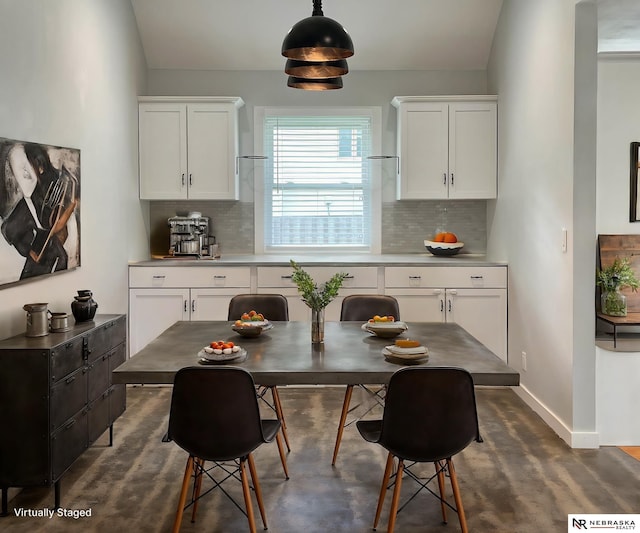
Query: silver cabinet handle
[349, 277]
[193, 306]
[183, 179]
[449, 306]
[185, 306]
[476, 277]
[190, 180]
[444, 178]
[452, 178]
[158, 277]
[415, 277]
[219, 277]
[286, 277]
[441, 306]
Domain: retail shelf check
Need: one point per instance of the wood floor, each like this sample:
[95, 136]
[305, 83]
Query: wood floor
[522, 478]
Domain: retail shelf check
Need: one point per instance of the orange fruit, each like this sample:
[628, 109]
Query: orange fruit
[439, 237]
[450, 237]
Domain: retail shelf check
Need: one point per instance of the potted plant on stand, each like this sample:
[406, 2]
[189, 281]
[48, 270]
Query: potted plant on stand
[610, 280]
[316, 297]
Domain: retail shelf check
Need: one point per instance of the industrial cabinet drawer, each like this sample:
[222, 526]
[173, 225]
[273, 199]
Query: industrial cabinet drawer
[106, 337]
[68, 443]
[117, 401]
[66, 358]
[98, 376]
[68, 396]
[98, 416]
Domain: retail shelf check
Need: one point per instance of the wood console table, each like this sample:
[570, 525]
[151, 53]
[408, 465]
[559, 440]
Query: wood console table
[57, 398]
[632, 319]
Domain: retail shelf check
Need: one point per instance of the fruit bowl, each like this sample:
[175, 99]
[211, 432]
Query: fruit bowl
[443, 248]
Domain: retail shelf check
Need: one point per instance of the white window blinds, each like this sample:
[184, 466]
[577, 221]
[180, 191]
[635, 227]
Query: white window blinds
[317, 182]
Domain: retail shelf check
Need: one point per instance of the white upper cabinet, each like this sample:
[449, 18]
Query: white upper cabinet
[447, 147]
[188, 148]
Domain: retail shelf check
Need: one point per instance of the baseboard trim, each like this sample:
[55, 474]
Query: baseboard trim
[575, 439]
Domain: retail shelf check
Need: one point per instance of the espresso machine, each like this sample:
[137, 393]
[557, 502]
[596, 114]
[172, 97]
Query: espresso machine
[189, 235]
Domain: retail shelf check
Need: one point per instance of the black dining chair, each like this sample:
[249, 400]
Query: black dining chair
[215, 417]
[429, 416]
[274, 307]
[362, 307]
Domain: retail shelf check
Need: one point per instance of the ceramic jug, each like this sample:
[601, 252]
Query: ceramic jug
[84, 306]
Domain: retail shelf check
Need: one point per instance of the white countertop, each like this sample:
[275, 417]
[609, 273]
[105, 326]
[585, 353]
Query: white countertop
[425, 259]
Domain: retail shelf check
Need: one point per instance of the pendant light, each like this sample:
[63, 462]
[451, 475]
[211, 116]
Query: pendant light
[317, 38]
[316, 69]
[318, 84]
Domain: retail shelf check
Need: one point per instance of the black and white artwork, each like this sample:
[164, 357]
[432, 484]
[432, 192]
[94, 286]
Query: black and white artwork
[634, 212]
[39, 210]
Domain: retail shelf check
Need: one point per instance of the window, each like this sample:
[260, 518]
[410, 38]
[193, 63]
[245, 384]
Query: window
[317, 190]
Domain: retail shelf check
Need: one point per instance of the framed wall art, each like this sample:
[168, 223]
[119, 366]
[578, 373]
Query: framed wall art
[634, 212]
[39, 210]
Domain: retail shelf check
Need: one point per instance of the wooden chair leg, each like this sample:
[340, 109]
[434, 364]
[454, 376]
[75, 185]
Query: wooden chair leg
[343, 420]
[383, 489]
[396, 497]
[456, 495]
[283, 458]
[256, 486]
[197, 485]
[183, 495]
[280, 414]
[246, 492]
[440, 473]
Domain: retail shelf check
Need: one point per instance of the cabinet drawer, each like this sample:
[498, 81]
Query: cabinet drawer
[179, 277]
[117, 402]
[103, 338]
[68, 396]
[66, 358]
[98, 376]
[98, 417]
[68, 443]
[280, 277]
[456, 277]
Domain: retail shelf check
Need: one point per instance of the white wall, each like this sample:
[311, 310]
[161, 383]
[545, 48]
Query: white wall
[71, 73]
[618, 394]
[532, 71]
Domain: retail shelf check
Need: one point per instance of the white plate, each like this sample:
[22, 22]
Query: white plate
[264, 323]
[405, 355]
[444, 245]
[398, 324]
[405, 360]
[222, 357]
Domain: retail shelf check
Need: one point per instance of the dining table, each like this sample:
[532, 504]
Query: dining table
[285, 355]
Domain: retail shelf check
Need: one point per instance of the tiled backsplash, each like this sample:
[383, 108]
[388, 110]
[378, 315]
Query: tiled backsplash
[405, 224]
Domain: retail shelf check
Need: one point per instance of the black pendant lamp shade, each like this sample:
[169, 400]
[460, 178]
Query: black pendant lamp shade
[307, 84]
[317, 38]
[316, 69]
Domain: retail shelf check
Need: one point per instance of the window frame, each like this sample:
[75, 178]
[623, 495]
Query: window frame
[375, 114]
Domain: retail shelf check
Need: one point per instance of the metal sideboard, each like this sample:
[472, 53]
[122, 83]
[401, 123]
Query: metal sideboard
[56, 399]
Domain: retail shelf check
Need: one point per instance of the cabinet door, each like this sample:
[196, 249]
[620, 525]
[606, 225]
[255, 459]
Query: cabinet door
[211, 304]
[162, 139]
[483, 313]
[420, 305]
[423, 149]
[473, 150]
[212, 152]
[152, 311]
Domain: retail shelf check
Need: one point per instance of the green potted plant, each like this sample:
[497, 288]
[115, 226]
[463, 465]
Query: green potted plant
[610, 280]
[317, 297]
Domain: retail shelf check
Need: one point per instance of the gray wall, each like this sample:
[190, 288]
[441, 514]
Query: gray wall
[233, 221]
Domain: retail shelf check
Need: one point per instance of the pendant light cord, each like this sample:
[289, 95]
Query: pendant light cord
[317, 8]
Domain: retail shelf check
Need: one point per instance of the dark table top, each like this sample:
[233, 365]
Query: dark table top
[285, 355]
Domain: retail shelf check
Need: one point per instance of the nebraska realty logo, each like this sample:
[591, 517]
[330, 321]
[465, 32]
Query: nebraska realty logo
[604, 522]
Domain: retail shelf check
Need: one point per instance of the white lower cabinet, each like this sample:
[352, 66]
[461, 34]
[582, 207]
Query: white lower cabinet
[478, 303]
[360, 280]
[161, 296]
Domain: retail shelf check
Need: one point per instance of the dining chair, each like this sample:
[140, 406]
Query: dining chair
[429, 416]
[215, 417]
[362, 307]
[274, 307]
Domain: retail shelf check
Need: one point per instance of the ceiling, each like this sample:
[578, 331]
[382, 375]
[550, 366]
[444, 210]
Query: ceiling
[399, 35]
